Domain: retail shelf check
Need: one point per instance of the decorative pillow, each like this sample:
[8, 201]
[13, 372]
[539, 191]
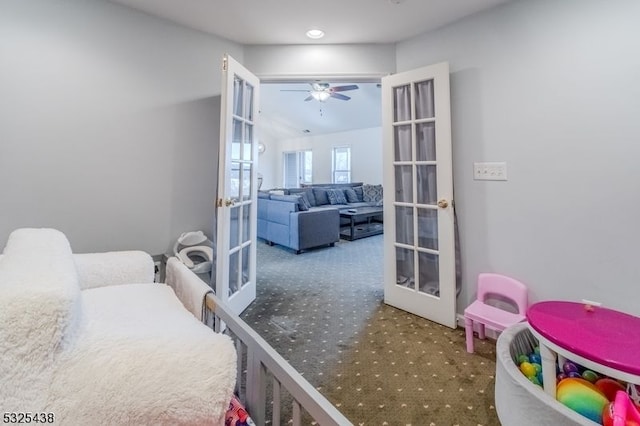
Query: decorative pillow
[359, 193]
[336, 196]
[351, 195]
[371, 193]
[321, 196]
[309, 193]
[305, 201]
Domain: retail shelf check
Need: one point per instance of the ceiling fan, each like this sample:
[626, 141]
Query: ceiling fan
[323, 91]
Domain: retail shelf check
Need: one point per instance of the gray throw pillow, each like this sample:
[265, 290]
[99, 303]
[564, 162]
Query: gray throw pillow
[359, 193]
[321, 196]
[305, 201]
[351, 195]
[336, 196]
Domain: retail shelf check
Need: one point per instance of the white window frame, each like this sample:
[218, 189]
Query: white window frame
[334, 170]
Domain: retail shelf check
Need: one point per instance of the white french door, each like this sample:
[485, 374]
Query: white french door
[236, 205]
[419, 243]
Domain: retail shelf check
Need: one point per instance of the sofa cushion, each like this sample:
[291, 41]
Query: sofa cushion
[351, 195]
[359, 192]
[308, 192]
[321, 196]
[371, 193]
[336, 196]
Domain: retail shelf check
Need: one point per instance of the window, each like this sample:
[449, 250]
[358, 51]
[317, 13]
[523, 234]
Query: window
[297, 168]
[341, 164]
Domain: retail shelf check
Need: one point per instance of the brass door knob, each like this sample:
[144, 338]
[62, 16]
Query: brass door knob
[443, 204]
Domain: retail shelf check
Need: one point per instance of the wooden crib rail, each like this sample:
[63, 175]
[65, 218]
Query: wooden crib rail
[262, 362]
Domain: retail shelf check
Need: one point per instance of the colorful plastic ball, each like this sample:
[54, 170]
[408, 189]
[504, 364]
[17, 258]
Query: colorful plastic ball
[536, 350]
[535, 380]
[569, 367]
[583, 397]
[560, 376]
[609, 387]
[535, 358]
[574, 374]
[590, 376]
[537, 366]
[522, 358]
[528, 369]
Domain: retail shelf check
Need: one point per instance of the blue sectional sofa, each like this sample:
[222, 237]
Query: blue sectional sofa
[304, 218]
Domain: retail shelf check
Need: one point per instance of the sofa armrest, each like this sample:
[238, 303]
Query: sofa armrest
[113, 268]
[314, 228]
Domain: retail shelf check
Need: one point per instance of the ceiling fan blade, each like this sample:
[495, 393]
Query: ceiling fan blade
[293, 90]
[344, 88]
[340, 96]
[308, 98]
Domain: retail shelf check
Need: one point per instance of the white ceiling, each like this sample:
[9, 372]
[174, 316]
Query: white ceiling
[286, 21]
[275, 22]
[288, 113]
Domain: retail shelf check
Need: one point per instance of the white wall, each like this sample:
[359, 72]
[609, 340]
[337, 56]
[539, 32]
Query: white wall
[320, 60]
[109, 123]
[553, 89]
[366, 155]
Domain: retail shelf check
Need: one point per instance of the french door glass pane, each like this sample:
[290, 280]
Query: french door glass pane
[404, 183]
[424, 100]
[248, 107]
[234, 258]
[428, 228]
[234, 237]
[236, 140]
[238, 95]
[401, 103]
[426, 141]
[246, 181]
[426, 181]
[402, 142]
[245, 264]
[234, 192]
[404, 225]
[246, 223]
[428, 273]
[247, 145]
[404, 267]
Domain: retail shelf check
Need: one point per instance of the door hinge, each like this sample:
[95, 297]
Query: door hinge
[225, 63]
[218, 202]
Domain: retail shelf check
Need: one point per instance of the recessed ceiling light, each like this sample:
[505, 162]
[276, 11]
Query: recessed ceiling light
[315, 34]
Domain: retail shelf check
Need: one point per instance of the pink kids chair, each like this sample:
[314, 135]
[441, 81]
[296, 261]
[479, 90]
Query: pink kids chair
[499, 288]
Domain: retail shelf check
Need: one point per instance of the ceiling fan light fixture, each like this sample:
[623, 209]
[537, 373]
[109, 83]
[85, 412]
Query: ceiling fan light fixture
[320, 95]
[315, 34]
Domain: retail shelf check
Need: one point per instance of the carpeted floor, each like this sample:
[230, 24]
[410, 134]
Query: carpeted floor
[323, 311]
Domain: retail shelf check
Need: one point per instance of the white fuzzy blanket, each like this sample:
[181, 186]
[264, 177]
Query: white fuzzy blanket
[150, 363]
[190, 289]
[125, 354]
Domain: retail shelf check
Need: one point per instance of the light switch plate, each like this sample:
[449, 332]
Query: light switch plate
[490, 171]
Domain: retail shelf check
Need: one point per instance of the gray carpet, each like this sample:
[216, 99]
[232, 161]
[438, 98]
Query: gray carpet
[323, 311]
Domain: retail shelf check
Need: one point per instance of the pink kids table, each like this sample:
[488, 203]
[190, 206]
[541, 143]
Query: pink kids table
[597, 338]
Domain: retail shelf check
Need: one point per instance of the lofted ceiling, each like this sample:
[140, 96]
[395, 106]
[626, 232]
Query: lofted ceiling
[283, 109]
[276, 22]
